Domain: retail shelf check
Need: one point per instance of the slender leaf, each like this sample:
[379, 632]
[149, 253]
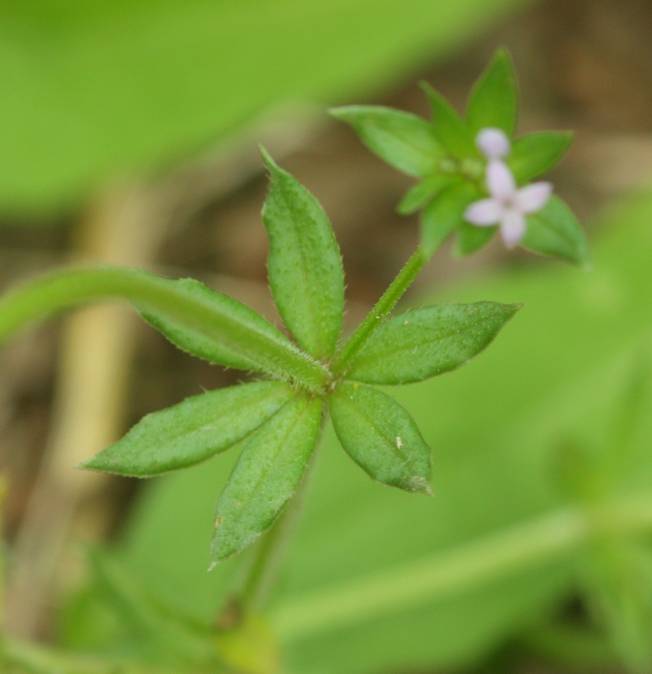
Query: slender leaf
[450, 129]
[494, 98]
[305, 265]
[554, 230]
[193, 430]
[536, 153]
[241, 343]
[381, 437]
[198, 320]
[419, 195]
[445, 213]
[400, 138]
[470, 238]
[422, 343]
[267, 474]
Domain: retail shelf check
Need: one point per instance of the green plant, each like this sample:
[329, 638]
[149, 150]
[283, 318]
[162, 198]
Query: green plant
[278, 419]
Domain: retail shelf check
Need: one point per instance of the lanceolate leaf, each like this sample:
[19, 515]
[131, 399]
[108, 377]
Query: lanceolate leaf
[422, 343]
[419, 195]
[445, 213]
[193, 430]
[305, 266]
[229, 334]
[198, 320]
[267, 474]
[402, 139]
[471, 238]
[450, 129]
[381, 437]
[536, 153]
[554, 230]
[494, 98]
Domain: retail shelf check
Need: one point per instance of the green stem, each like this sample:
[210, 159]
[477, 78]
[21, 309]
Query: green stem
[224, 320]
[470, 565]
[381, 309]
[38, 660]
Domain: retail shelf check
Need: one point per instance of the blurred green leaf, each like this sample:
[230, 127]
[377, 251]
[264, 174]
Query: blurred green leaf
[270, 467]
[536, 153]
[381, 437]
[450, 129]
[422, 343]
[554, 230]
[618, 577]
[421, 193]
[493, 102]
[102, 89]
[445, 213]
[400, 138]
[471, 238]
[192, 431]
[304, 265]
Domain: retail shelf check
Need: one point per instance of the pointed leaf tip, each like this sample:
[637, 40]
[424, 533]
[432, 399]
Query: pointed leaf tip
[305, 268]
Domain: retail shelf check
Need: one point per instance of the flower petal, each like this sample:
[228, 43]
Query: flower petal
[533, 197]
[500, 181]
[512, 228]
[484, 213]
[493, 143]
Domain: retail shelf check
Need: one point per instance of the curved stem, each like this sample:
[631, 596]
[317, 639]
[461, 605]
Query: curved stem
[230, 324]
[388, 300]
[431, 578]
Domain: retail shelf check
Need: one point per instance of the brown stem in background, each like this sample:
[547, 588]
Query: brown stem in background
[95, 353]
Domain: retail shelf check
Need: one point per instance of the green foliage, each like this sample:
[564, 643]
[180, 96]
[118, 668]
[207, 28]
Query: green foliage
[449, 127]
[493, 105]
[536, 153]
[471, 239]
[402, 139]
[381, 437]
[445, 213]
[422, 193]
[305, 265]
[199, 320]
[132, 87]
[307, 282]
[494, 98]
[532, 387]
[423, 343]
[192, 431]
[556, 231]
[240, 329]
[266, 476]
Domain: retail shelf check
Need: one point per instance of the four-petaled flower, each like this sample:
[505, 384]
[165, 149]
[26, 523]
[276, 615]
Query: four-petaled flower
[507, 205]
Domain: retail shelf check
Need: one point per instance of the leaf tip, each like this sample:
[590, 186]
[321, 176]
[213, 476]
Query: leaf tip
[268, 160]
[419, 484]
[340, 112]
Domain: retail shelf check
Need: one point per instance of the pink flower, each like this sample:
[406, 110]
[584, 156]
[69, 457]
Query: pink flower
[507, 205]
[493, 143]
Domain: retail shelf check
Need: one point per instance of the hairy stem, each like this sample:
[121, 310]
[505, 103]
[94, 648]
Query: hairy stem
[427, 580]
[61, 290]
[388, 300]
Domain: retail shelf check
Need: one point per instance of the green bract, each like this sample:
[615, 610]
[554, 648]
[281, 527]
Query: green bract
[455, 159]
[279, 420]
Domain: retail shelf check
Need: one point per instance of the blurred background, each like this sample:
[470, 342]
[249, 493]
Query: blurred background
[128, 135]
